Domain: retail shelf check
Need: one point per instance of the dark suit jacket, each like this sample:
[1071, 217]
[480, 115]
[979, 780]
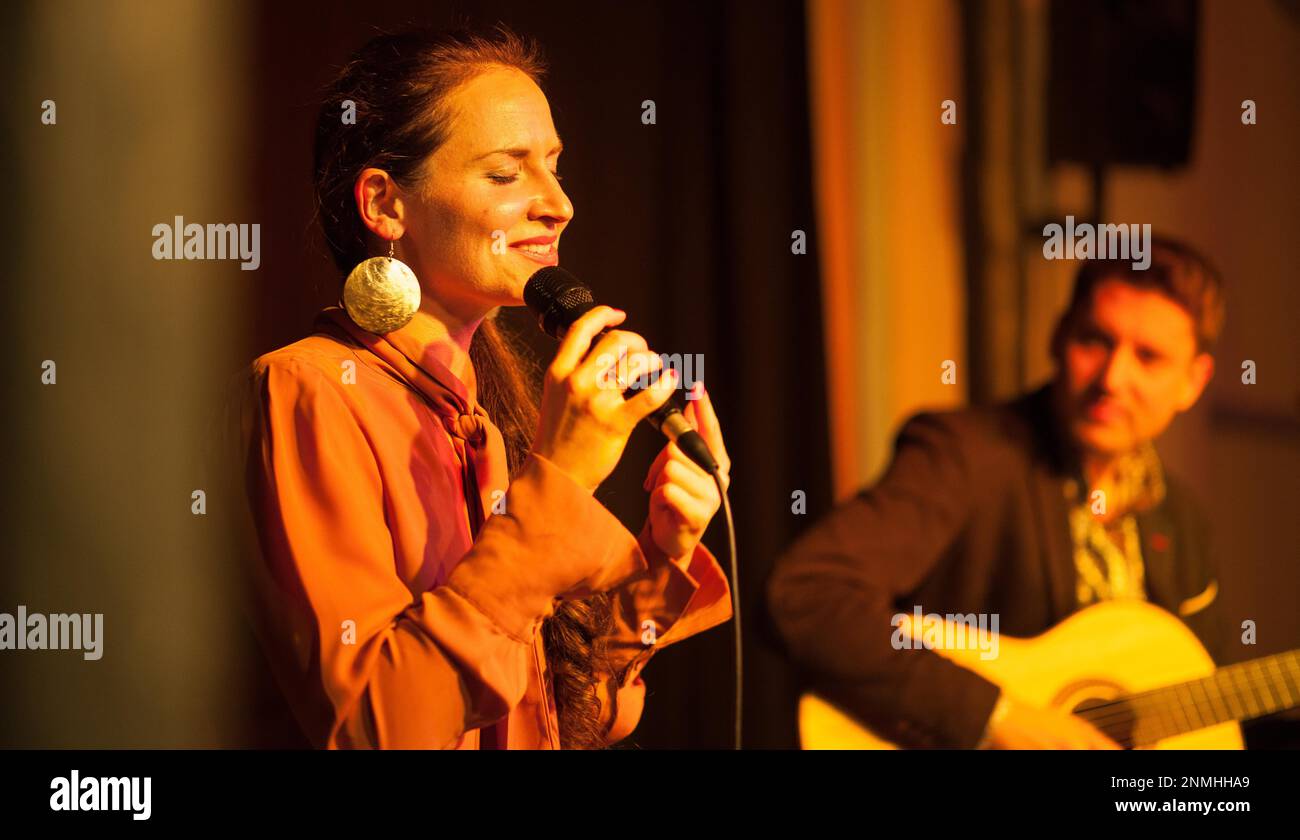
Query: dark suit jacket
[969, 517]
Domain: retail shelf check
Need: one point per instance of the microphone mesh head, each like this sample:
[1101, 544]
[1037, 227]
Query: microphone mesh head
[558, 298]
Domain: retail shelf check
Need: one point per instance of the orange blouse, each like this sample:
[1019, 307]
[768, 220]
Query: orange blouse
[403, 577]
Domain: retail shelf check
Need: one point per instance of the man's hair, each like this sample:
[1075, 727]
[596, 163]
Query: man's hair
[1177, 271]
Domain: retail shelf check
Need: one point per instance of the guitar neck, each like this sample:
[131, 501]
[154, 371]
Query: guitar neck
[1237, 692]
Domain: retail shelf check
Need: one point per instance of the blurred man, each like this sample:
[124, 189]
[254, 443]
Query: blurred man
[996, 511]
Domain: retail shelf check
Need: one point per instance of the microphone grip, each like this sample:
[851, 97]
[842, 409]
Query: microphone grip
[668, 418]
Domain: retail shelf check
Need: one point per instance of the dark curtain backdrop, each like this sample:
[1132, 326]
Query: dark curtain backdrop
[686, 224]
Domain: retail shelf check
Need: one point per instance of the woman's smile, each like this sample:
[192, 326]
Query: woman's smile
[540, 249]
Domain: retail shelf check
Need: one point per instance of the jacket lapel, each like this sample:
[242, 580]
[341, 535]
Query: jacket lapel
[1159, 557]
[1048, 474]
[1054, 532]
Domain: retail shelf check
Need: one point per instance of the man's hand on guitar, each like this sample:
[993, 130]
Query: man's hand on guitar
[1024, 727]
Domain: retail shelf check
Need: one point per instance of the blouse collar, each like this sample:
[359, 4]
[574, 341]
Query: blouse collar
[414, 353]
[424, 341]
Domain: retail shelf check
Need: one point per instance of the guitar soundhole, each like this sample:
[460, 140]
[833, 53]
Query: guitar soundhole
[1115, 718]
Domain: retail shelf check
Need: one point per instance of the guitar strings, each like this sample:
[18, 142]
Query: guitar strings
[1237, 689]
[1148, 706]
[1250, 681]
[1151, 704]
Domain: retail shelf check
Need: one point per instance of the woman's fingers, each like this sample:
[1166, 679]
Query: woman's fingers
[651, 398]
[611, 347]
[693, 512]
[652, 474]
[670, 452]
[577, 341]
[626, 370]
[689, 477]
[706, 422]
[672, 465]
[691, 413]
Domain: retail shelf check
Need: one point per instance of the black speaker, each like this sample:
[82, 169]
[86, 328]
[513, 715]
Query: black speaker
[1122, 81]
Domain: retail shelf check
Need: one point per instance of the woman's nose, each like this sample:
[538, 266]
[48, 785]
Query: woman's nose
[552, 203]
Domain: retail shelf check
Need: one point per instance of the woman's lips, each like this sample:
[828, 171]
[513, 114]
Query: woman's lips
[544, 254]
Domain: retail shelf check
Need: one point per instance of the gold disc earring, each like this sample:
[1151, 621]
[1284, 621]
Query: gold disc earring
[381, 294]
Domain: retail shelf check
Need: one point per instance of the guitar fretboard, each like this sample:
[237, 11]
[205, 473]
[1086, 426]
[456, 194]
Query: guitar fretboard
[1236, 692]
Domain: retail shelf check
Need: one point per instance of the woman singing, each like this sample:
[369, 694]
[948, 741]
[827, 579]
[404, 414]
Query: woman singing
[435, 570]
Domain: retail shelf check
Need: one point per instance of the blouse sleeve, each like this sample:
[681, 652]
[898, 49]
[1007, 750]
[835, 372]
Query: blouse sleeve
[670, 600]
[363, 661]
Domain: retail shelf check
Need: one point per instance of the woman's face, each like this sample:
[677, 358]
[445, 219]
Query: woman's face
[487, 192]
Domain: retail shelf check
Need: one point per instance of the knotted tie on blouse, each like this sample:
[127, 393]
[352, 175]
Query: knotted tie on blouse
[478, 442]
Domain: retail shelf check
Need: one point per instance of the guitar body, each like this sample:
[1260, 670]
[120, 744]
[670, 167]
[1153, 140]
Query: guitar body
[1101, 653]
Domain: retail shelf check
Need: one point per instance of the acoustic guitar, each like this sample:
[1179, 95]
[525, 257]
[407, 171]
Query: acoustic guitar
[1131, 669]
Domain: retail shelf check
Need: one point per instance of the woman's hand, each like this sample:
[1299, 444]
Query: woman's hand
[683, 497]
[584, 420]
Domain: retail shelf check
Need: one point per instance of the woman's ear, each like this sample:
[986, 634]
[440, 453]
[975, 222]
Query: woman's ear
[379, 203]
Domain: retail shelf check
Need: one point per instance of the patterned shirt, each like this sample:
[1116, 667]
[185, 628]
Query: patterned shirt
[1103, 527]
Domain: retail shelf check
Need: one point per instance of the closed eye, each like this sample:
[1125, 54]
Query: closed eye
[510, 179]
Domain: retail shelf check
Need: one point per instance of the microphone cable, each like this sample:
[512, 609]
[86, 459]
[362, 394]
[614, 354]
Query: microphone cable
[735, 609]
[558, 299]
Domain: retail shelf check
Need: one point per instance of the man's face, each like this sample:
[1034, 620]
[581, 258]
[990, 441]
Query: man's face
[1128, 364]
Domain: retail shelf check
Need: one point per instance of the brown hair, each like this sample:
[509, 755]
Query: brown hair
[1177, 271]
[399, 85]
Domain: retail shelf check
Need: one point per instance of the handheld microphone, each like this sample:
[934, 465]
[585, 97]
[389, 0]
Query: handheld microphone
[559, 299]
